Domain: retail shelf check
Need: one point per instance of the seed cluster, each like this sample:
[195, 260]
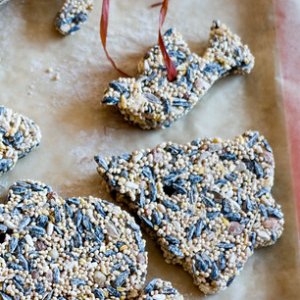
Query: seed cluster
[73, 248]
[151, 101]
[72, 15]
[207, 203]
[158, 289]
[18, 136]
[3, 1]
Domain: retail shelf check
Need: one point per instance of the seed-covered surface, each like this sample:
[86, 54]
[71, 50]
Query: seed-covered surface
[207, 203]
[72, 15]
[73, 248]
[18, 136]
[158, 289]
[151, 101]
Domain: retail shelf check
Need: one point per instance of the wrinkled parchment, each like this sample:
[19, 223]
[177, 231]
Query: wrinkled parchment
[75, 127]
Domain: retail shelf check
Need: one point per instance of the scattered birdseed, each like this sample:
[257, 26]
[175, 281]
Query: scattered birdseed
[158, 289]
[206, 213]
[72, 15]
[56, 77]
[151, 101]
[49, 70]
[63, 255]
[18, 136]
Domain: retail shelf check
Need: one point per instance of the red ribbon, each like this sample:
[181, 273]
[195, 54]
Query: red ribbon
[171, 70]
[157, 4]
[103, 33]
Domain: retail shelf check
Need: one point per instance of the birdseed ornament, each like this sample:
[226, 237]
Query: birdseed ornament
[207, 203]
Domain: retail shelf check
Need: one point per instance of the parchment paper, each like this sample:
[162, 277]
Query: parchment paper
[75, 127]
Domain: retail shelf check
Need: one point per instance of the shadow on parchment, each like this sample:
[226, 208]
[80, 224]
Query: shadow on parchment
[39, 17]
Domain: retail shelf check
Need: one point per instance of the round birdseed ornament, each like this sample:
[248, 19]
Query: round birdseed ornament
[73, 248]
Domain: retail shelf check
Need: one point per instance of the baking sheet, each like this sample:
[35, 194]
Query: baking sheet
[287, 24]
[75, 127]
